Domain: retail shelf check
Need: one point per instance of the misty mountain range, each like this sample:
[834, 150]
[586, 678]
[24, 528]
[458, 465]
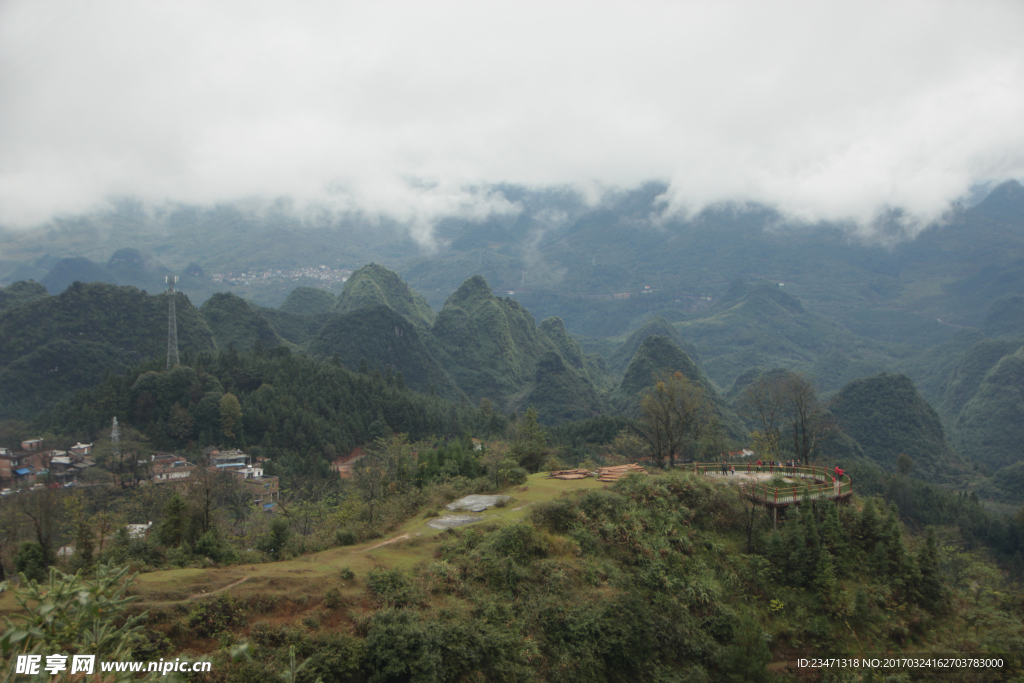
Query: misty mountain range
[730, 293]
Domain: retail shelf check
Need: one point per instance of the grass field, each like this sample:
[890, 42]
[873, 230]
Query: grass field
[313, 574]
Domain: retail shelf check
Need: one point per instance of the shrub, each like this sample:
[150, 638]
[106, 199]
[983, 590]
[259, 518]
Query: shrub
[214, 546]
[518, 541]
[30, 560]
[275, 541]
[333, 599]
[151, 645]
[345, 537]
[557, 515]
[210, 617]
[400, 646]
[391, 588]
[553, 464]
[336, 658]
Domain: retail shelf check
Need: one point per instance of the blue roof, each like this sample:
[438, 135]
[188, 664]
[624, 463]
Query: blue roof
[23, 471]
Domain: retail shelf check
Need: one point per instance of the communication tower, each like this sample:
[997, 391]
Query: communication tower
[172, 323]
[115, 440]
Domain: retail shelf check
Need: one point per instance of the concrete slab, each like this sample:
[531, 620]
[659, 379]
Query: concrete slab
[452, 521]
[475, 503]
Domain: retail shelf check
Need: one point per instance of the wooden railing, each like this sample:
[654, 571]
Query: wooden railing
[818, 484]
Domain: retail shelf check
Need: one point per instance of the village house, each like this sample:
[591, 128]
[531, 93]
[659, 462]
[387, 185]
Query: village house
[228, 460]
[81, 449]
[170, 468]
[265, 490]
[15, 465]
[61, 467]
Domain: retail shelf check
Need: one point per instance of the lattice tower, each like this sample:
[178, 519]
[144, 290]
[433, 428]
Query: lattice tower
[115, 439]
[172, 323]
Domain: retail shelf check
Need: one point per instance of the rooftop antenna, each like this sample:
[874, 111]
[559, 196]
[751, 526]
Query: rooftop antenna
[172, 323]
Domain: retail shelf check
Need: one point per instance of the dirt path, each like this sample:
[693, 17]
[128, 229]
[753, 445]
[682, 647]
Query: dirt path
[219, 590]
[390, 540]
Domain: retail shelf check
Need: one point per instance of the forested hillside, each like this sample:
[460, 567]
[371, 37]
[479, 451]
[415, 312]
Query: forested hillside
[888, 418]
[303, 411]
[53, 346]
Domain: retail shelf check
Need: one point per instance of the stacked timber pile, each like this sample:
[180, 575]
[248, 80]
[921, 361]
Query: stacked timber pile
[569, 474]
[618, 472]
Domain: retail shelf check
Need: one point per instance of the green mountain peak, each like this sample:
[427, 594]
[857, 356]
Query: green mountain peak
[309, 301]
[887, 416]
[375, 285]
[473, 291]
[234, 321]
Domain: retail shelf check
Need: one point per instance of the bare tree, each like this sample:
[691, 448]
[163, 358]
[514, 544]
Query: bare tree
[675, 412]
[205, 491]
[42, 508]
[762, 401]
[783, 399]
[10, 531]
[803, 415]
[308, 503]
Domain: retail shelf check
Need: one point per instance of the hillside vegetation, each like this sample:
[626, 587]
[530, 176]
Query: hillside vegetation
[234, 322]
[54, 345]
[887, 416]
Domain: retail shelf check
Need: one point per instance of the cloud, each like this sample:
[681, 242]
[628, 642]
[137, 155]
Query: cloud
[828, 111]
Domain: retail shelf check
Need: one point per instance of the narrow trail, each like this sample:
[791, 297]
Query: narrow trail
[390, 540]
[219, 590]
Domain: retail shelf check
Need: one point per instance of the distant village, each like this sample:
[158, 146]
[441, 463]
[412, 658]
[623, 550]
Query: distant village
[34, 467]
[323, 275]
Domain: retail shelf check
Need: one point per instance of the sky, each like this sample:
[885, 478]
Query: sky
[839, 111]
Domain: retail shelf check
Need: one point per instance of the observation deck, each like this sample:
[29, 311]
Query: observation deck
[806, 482]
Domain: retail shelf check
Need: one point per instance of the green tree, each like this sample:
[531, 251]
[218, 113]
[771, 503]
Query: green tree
[868, 526]
[82, 528]
[832, 538]
[213, 545]
[180, 424]
[746, 659]
[274, 542]
[674, 413]
[826, 583]
[765, 444]
[230, 416]
[30, 560]
[810, 554]
[627, 447]
[173, 530]
[529, 442]
[932, 593]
